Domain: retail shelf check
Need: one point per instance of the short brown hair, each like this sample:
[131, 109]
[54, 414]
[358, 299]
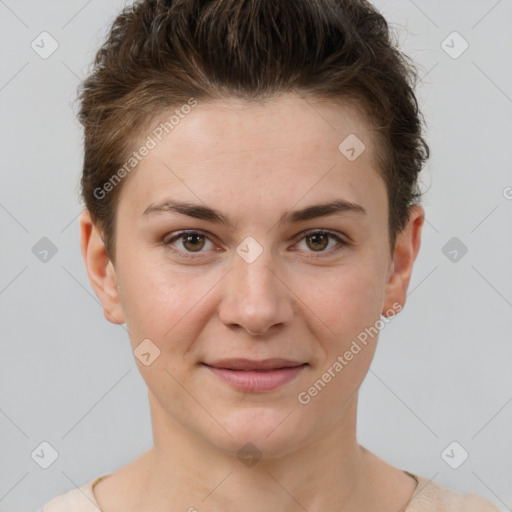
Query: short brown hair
[161, 53]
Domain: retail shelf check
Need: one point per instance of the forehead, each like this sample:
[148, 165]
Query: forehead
[288, 123]
[289, 146]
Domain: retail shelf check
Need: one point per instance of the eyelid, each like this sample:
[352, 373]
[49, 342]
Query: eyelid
[322, 231]
[168, 240]
[340, 238]
[178, 234]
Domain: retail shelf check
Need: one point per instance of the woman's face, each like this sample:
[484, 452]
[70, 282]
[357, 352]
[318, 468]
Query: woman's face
[235, 295]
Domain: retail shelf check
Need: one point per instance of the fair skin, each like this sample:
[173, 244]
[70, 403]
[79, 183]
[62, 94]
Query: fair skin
[299, 300]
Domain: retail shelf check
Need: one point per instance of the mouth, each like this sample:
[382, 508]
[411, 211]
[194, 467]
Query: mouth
[256, 376]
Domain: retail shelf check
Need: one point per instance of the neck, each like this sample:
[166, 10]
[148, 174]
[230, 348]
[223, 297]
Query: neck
[186, 472]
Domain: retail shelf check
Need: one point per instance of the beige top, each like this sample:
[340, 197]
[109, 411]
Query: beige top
[427, 497]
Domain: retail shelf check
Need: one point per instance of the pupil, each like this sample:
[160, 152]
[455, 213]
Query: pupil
[315, 237]
[190, 239]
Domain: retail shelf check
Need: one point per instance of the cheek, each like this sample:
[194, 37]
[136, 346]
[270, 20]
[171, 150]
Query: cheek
[144, 291]
[161, 302]
[346, 301]
[351, 308]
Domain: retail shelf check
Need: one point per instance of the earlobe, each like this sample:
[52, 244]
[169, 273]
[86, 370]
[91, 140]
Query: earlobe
[407, 246]
[100, 269]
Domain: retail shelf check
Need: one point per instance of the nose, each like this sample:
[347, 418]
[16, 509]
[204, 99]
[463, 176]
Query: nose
[255, 297]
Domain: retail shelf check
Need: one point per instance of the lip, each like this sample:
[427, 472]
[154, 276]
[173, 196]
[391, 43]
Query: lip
[253, 364]
[256, 376]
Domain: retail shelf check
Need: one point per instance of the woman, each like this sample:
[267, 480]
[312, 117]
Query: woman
[252, 215]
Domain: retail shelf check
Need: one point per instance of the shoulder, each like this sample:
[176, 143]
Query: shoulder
[80, 499]
[432, 497]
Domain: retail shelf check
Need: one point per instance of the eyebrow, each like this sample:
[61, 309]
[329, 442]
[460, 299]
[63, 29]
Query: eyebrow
[201, 212]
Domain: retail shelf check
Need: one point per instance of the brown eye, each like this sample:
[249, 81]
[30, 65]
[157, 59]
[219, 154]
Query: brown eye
[188, 244]
[316, 241]
[319, 241]
[193, 242]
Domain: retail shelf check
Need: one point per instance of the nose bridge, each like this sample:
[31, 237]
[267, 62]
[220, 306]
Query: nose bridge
[254, 297]
[256, 277]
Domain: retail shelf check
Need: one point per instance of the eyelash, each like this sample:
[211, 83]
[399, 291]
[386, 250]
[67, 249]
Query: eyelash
[341, 243]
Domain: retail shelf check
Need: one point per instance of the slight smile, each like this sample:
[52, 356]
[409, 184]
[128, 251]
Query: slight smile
[256, 376]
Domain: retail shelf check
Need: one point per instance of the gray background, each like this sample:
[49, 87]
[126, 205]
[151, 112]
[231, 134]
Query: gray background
[442, 369]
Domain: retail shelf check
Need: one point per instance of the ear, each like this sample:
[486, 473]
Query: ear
[100, 269]
[407, 245]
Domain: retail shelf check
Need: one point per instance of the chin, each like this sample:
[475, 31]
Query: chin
[268, 432]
